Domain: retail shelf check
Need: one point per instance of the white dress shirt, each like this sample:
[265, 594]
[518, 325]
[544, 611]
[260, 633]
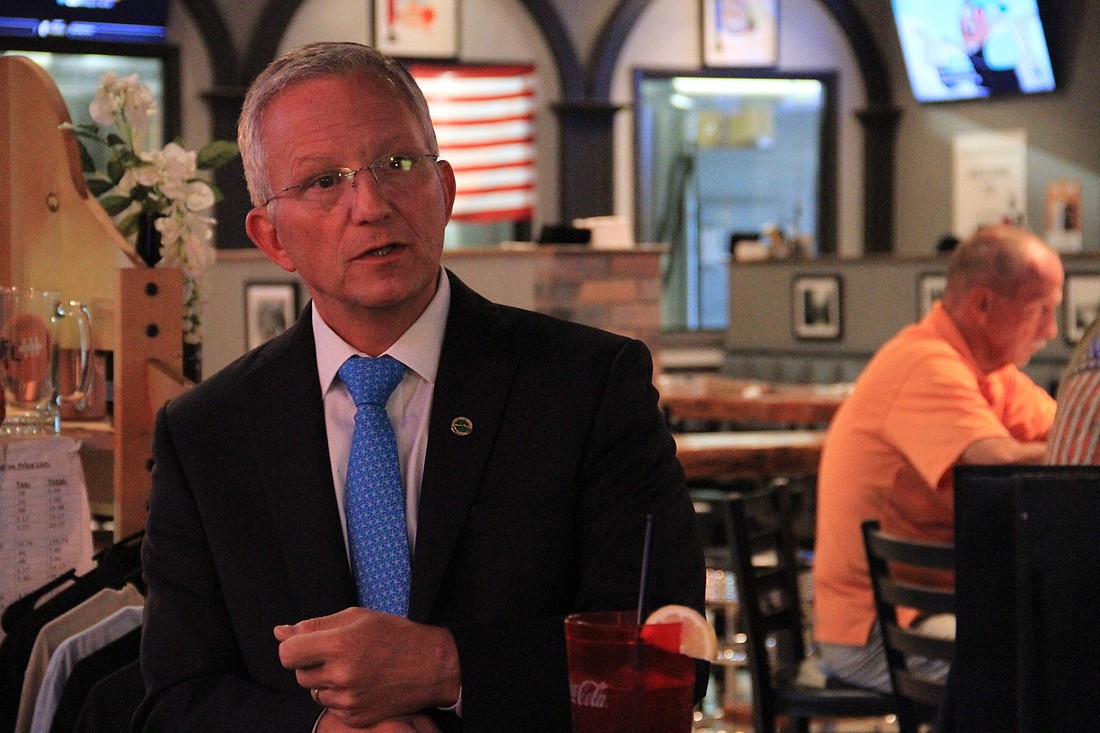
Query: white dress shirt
[409, 406]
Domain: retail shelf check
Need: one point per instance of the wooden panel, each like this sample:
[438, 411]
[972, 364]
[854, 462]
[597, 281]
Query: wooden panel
[148, 359]
[53, 234]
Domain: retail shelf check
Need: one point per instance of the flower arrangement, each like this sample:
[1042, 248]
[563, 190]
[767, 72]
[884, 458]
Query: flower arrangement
[153, 191]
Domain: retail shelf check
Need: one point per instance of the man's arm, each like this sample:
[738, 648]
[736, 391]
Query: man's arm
[194, 674]
[1003, 450]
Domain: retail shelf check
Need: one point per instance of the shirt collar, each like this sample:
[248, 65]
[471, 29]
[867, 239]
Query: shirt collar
[941, 322]
[418, 348]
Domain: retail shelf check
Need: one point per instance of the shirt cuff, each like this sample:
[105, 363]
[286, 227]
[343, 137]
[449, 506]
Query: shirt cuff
[457, 707]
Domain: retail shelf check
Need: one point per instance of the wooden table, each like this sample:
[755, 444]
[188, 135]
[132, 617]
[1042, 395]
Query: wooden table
[714, 398]
[755, 455]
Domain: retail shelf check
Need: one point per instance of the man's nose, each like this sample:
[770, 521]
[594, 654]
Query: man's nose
[1051, 324]
[367, 195]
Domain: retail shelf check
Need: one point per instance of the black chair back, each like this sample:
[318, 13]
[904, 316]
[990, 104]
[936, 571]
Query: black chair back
[1027, 560]
[911, 574]
[764, 563]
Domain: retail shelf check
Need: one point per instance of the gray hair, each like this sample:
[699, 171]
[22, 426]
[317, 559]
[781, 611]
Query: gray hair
[314, 61]
[996, 257]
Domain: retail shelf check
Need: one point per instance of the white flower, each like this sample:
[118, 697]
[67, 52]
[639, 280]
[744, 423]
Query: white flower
[103, 106]
[198, 196]
[177, 168]
[123, 99]
[164, 186]
[146, 175]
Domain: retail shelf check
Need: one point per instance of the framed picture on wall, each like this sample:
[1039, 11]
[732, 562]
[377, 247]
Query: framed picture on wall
[930, 288]
[1082, 303]
[416, 28]
[269, 309]
[816, 307]
[740, 32]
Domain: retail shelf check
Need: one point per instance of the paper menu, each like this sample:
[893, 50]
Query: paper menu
[45, 521]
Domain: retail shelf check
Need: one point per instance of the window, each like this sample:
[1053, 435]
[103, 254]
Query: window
[722, 157]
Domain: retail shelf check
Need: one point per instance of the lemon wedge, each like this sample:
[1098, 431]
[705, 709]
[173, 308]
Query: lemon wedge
[697, 638]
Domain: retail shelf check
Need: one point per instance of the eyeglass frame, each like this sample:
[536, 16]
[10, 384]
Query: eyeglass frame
[349, 174]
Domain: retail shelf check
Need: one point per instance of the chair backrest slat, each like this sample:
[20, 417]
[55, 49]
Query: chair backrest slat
[928, 600]
[910, 574]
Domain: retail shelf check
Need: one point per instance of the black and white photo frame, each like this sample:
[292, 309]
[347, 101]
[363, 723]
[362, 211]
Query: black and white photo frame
[930, 287]
[269, 309]
[1082, 303]
[816, 307]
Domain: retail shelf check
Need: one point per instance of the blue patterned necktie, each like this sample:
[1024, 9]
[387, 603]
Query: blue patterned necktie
[374, 498]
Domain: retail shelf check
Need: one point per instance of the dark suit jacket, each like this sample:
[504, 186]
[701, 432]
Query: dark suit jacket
[538, 512]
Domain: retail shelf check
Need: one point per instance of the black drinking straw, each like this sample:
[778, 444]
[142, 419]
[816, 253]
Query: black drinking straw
[643, 586]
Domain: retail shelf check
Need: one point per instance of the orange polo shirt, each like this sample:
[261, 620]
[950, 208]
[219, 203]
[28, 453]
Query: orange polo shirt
[919, 403]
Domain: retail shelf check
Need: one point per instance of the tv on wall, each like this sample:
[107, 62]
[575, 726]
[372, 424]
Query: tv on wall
[969, 49]
[118, 21]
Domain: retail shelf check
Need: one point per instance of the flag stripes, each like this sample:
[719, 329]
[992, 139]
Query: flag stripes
[484, 120]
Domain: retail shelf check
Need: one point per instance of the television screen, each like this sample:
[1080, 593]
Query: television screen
[967, 49]
[119, 21]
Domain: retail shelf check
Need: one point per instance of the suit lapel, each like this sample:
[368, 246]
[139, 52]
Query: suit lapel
[296, 482]
[471, 385]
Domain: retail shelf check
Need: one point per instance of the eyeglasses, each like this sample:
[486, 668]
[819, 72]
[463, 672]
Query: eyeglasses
[395, 174]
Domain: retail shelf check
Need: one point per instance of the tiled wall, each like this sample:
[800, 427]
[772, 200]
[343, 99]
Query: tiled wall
[618, 290]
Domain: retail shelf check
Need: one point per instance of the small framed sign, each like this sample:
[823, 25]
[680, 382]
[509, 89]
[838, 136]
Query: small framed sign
[816, 307]
[416, 28]
[740, 32]
[930, 288]
[1082, 303]
[269, 309]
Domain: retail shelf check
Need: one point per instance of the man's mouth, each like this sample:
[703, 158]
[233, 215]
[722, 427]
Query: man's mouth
[382, 251]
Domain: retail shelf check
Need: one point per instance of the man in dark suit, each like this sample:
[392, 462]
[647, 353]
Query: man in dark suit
[531, 452]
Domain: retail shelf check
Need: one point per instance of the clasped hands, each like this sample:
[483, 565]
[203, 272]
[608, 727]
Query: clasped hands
[372, 670]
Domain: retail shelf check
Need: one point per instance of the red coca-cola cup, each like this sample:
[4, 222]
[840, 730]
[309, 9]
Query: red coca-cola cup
[621, 679]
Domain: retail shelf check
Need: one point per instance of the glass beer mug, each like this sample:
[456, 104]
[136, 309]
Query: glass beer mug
[34, 327]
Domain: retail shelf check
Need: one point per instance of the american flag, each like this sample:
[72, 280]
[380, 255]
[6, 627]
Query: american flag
[485, 120]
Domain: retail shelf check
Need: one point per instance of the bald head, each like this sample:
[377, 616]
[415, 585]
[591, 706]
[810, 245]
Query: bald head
[1004, 286]
[1003, 258]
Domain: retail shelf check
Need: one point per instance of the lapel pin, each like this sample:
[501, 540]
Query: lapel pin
[461, 426]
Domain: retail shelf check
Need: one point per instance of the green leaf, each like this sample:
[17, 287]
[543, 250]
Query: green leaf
[129, 158]
[218, 197]
[99, 186]
[87, 165]
[140, 192]
[115, 169]
[114, 138]
[216, 153]
[92, 135]
[129, 224]
[114, 205]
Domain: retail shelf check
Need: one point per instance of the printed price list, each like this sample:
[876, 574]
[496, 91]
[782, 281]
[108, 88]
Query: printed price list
[45, 523]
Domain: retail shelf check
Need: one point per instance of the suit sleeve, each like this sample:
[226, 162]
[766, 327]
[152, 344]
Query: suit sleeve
[195, 677]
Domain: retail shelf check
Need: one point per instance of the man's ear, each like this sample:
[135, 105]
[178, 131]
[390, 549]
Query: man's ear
[261, 230]
[447, 177]
[980, 301]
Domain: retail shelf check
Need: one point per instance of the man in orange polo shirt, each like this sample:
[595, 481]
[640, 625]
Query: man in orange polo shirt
[947, 390]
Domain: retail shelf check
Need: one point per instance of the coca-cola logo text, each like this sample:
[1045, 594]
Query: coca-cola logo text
[589, 694]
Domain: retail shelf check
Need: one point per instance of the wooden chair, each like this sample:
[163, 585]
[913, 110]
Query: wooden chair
[763, 562]
[909, 574]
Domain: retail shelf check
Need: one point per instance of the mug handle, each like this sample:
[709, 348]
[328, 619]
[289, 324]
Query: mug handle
[83, 316]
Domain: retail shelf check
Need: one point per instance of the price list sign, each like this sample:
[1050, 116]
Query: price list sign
[45, 522]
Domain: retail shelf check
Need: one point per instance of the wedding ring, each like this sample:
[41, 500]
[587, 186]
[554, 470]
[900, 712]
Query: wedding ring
[314, 693]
